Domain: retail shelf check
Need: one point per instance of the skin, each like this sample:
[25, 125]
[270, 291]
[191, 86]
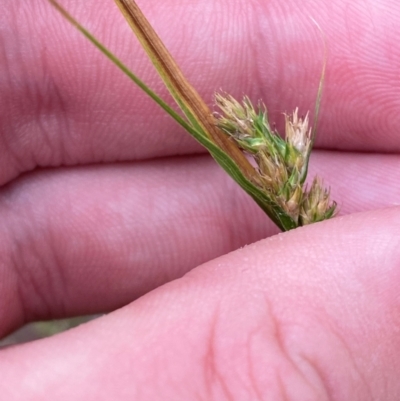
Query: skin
[107, 204]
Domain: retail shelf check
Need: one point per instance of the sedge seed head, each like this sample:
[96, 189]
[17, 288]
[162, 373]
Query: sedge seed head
[282, 164]
[298, 133]
[317, 205]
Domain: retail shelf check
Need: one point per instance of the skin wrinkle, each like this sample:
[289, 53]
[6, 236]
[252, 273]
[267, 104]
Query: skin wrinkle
[278, 334]
[212, 377]
[281, 386]
[35, 94]
[33, 287]
[15, 298]
[31, 299]
[58, 101]
[319, 374]
[7, 146]
[54, 100]
[315, 368]
[266, 30]
[286, 66]
[6, 71]
[249, 54]
[363, 70]
[211, 357]
[231, 205]
[38, 102]
[320, 368]
[238, 31]
[10, 289]
[60, 283]
[363, 75]
[350, 357]
[250, 364]
[31, 91]
[35, 298]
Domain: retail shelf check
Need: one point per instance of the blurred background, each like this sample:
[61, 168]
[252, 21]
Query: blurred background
[37, 330]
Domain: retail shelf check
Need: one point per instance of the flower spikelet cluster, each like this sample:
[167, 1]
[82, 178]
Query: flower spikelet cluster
[282, 163]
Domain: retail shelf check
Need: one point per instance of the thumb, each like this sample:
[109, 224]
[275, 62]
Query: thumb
[312, 314]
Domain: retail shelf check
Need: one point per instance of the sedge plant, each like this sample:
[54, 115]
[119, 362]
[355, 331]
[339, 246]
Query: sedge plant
[235, 134]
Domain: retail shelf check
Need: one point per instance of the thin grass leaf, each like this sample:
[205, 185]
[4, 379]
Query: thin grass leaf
[319, 96]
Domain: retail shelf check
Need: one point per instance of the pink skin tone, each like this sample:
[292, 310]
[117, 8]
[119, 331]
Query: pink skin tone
[105, 199]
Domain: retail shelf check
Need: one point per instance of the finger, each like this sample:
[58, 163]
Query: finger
[358, 181]
[63, 103]
[89, 240]
[85, 240]
[266, 322]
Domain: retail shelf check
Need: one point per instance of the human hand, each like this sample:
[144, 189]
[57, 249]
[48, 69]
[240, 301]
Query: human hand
[310, 314]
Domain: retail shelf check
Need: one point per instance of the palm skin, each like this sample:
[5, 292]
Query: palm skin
[104, 199]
